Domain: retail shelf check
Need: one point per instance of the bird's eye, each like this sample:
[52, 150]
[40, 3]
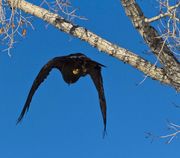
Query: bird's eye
[75, 71]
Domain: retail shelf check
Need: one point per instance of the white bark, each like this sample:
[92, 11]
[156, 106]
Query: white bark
[165, 75]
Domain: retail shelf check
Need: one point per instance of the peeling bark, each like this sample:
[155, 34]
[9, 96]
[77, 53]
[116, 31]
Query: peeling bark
[149, 34]
[157, 45]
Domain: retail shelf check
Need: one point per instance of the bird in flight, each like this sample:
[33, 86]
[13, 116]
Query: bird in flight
[72, 67]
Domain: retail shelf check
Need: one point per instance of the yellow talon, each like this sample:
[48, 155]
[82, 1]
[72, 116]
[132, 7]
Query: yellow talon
[75, 71]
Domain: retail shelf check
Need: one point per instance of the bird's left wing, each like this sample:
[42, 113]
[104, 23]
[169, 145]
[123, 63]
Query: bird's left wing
[95, 74]
[42, 75]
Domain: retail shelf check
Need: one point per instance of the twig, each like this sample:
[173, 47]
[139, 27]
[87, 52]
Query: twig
[162, 15]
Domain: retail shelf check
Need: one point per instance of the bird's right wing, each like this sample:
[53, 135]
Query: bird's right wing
[42, 75]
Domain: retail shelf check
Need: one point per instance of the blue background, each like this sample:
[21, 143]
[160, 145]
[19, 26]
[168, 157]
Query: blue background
[65, 121]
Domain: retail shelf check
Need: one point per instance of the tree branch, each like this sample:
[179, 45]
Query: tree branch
[95, 41]
[156, 43]
[162, 15]
[172, 135]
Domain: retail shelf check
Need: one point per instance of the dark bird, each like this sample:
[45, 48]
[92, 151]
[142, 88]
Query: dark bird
[72, 67]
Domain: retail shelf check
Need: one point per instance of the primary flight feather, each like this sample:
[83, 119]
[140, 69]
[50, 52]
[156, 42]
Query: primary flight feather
[72, 67]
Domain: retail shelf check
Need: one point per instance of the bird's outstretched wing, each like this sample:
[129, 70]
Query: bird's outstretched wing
[44, 72]
[97, 79]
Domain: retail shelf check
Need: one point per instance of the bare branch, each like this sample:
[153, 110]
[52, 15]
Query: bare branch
[174, 134]
[95, 41]
[13, 24]
[169, 26]
[169, 137]
[170, 13]
[169, 74]
[155, 41]
[62, 7]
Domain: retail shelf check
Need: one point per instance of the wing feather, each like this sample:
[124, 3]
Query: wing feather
[42, 75]
[98, 82]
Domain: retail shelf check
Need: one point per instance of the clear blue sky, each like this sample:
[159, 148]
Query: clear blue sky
[65, 121]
